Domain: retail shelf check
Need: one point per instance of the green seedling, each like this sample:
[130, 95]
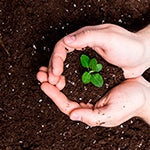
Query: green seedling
[92, 74]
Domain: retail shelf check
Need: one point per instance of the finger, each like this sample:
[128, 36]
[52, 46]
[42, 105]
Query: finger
[90, 37]
[103, 101]
[98, 117]
[58, 58]
[88, 105]
[62, 102]
[42, 76]
[61, 83]
[52, 78]
[43, 68]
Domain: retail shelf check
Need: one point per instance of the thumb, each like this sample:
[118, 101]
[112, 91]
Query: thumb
[90, 117]
[86, 38]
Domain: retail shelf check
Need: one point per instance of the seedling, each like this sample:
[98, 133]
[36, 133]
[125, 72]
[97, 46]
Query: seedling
[92, 74]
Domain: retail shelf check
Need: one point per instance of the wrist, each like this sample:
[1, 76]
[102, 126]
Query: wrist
[145, 111]
[144, 36]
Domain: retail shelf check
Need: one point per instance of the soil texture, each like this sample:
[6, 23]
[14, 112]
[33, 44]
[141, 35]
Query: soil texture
[29, 120]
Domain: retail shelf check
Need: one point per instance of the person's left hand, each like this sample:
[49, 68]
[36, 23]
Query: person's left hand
[123, 102]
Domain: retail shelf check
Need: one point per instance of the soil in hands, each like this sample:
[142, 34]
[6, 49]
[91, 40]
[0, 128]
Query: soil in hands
[76, 90]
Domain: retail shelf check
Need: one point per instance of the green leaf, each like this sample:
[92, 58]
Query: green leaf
[84, 59]
[98, 67]
[86, 77]
[92, 64]
[97, 80]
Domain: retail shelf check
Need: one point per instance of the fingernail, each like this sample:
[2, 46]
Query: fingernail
[69, 39]
[75, 117]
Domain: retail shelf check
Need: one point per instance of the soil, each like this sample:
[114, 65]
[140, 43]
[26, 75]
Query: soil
[29, 120]
[79, 92]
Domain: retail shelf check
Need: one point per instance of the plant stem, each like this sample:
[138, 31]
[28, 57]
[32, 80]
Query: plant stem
[91, 71]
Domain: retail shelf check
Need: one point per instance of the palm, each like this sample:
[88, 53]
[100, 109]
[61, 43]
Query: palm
[117, 106]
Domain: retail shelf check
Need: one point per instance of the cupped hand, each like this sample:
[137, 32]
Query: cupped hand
[115, 44]
[123, 102]
[53, 92]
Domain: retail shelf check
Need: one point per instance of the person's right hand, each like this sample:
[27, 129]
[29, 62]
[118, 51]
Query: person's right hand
[115, 44]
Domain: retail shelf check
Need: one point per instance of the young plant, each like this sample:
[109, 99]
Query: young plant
[92, 74]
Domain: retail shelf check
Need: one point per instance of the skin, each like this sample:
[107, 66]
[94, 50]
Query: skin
[105, 113]
[125, 49]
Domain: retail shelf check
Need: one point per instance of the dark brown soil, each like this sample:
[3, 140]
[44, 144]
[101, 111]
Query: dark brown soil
[76, 90]
[28, 118]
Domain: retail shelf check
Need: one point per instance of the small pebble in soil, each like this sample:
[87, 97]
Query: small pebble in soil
[9, 73]
[78, 124]
[121, 126]
[13, 90]
[76, 71]
[34, 46]
[62, 27]
[80, 98]
[85, 88]
[44, 48]
[129, 16]
[5, 85]
[42, 126]
[131, 121]
[103, 21]
[107, 85]
[71, 82]
[23, 83]
[50, 27]
[122, 138]
[10, 67]
[66, 10]
[94, 141]
[67, 66]
[39, 132]
[120, 21]
[40, 100]
[74, 5]
[10, 118]
[89, 100]
[87, 127]
[113, 75]
[20, 142]
[70, 91]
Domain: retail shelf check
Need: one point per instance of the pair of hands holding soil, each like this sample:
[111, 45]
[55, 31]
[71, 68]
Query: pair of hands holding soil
[127, 50]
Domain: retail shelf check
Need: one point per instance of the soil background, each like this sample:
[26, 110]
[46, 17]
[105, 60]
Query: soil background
[28, 32]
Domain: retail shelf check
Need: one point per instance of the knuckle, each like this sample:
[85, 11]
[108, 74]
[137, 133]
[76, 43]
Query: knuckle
[86, 33]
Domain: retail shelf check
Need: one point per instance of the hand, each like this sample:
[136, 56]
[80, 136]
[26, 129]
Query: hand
[63, 103]
[115, 44]
[127, 100]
